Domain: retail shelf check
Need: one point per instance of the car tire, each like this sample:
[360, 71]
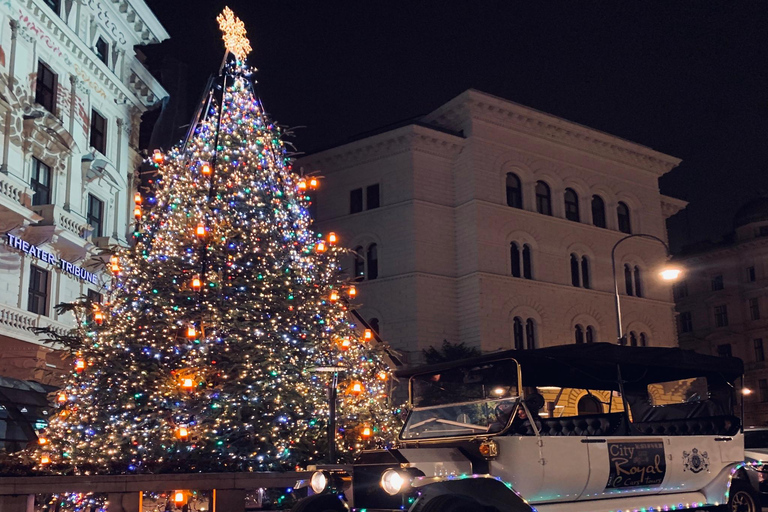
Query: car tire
[452, 503]
[320, 503]
[742, 497]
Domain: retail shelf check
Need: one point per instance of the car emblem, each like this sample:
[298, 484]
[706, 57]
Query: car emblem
[695, 461]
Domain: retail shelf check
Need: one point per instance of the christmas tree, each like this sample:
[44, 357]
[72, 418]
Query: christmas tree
[209, 352]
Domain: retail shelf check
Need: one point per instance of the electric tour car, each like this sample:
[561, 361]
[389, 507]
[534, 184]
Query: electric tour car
[576, 428]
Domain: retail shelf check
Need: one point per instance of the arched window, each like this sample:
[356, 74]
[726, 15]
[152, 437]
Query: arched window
[530, 334]
[359, 265]
[598, 211]
[588, 404]
[514, 256]
[622, 212]
[374, 323]
[571, 205]
[579, 333]
[628, 279]
[373, 262]
[543, 198]
[514, 191]
[590, 334]
[517, 331]
[632, 338]
[638, 281]
[584, 272]
[643, 340]
[527, 266]
[574, 270]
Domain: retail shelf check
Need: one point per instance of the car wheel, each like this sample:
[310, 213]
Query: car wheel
[321, 503]
[451, 503]
[742, 498]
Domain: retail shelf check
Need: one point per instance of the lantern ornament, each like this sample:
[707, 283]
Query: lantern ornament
[196, 283]
[334, 296]
[313, 183]
[355, 388]
[98, 316]
[206, 169]
[114, 263]
[182, 433]
[62, 397]
[320, 247]
[137, 212]
[188, 383]
[368, 335]
[137, 198]
[200, 231]
[178, 498]
[332, 238]
[42, 441]
[45, 459]
[79, 365]
[366, 432]
[302, 185]
[352, 292]
[157, 156]
[345, 343]
[191, 331]
[382, 375]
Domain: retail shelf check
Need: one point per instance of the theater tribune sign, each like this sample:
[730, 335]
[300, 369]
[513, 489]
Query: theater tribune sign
[42, 255]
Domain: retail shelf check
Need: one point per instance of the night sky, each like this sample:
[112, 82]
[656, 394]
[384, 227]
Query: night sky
[687, 78]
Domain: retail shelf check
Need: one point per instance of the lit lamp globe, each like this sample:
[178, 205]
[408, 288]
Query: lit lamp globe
[670, 274]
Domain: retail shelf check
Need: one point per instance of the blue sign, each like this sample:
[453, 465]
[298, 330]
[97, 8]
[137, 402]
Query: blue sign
[40, 254]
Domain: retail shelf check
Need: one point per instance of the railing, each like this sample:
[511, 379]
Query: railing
[56, 216]
[12, 191]
[27, 322]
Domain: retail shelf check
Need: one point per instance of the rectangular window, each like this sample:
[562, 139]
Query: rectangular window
[372, 197]
[759, 352]
[101, 49]
[754, 308]
[40, 183]
[721, 316]
[686, 323]
[751, 277]
[96, 215]
[717, 282]
[680, 290]
[98, 132]
[94, 296]
[38, 291]
[724, 350]
[762, 386]
[45, 88]
[55, 5]
[356, 201]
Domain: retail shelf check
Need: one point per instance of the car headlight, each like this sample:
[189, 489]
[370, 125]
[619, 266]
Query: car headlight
[392, 481]
[319, 481]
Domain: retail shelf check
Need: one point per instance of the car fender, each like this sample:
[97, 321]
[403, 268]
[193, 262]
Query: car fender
[718, 489]
[487, 490]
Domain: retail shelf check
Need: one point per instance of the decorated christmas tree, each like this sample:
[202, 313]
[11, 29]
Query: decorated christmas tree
[226, 321]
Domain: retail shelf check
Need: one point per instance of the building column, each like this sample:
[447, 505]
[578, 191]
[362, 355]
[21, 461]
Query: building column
[124, 501]
[71, 161]
[227, 500]
[19, 503]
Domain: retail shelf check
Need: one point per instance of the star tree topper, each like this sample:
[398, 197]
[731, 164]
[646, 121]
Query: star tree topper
[233, 34]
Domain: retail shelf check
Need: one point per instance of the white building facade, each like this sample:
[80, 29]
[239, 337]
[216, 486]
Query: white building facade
[723, 302]
[72, 93]
[490, 223]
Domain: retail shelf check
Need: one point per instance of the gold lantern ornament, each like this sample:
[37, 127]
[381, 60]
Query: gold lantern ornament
[355, 388]
[157, 156]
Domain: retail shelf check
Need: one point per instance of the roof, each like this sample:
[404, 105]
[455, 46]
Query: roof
[594, 366]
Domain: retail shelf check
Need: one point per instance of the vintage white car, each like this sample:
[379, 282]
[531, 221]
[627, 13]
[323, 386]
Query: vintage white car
[480, 437]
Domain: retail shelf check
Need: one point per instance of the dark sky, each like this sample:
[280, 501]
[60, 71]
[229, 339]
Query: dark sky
[688, 78]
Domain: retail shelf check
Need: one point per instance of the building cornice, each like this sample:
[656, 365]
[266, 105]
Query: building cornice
[713, 253]
[140, 18]
[671, 206]
[407, 138]
[474, 104]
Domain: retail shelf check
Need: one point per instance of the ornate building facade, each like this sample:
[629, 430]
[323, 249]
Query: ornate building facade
[72, 92]
[723, 302]
[490, 223]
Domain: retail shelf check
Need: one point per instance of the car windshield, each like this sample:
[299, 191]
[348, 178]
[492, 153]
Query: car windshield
[755, 439]
[462, 400]
[462, 419]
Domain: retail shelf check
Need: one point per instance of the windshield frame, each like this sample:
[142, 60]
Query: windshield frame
[520, 398]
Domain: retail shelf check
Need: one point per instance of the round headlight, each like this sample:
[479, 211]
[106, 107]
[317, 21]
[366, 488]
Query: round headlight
[392, 481]
[319, 481]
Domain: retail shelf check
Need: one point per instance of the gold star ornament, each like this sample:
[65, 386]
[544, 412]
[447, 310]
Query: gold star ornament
[233, 34]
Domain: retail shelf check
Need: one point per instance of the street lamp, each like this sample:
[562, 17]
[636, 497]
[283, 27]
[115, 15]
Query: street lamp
[667, 274]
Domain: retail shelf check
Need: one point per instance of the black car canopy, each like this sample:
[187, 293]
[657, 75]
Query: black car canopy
[597, 365]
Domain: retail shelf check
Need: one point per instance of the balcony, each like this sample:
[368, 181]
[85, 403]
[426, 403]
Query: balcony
[67, 231]
[15, 198]
[21, 324]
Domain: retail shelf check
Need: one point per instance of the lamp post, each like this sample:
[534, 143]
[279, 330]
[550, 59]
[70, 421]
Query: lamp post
[332, 398]
[667, 274]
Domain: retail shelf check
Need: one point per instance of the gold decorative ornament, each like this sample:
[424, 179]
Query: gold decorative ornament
[233, 34]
